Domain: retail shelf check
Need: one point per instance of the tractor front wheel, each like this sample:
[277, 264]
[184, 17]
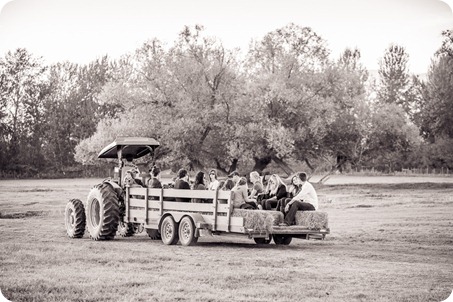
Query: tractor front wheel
[74, 219]
[169, 231]
[102, 212]
[126, 229]
[187, 232]
[153, 234]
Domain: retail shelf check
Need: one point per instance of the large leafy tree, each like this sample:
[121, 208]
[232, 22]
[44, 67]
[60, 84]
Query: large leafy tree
[435, 114]
[184, 97]
[395, 78]
[73, 108]
[285, 71]
[21, 100]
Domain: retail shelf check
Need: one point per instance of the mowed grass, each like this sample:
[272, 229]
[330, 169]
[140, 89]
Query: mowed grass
[388, 242]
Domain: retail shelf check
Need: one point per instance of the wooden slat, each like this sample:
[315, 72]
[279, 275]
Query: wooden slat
[161, 202]
[127, 205]
[230, 208]
[214, 215]
[146, 206]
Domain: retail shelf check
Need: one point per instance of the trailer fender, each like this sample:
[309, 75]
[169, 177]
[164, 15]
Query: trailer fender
[177, 216]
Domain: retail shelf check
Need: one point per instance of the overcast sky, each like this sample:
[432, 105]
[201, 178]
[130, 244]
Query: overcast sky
[82, 30]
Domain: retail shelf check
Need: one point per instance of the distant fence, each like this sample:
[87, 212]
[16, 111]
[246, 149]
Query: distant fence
[443, 171]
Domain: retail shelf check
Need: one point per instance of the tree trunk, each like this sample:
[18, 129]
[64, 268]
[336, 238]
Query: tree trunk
[261, 163]
[284, 166]
[335, 168]
[233, 166]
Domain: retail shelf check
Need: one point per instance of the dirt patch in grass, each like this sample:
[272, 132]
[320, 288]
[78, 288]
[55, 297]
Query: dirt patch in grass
[19, 215]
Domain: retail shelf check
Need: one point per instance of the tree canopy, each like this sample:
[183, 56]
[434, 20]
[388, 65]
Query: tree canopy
[285, 103]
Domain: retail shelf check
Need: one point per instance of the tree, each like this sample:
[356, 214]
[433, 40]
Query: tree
[394, 78]
[73, 108]
[283, 70]
[21, 100]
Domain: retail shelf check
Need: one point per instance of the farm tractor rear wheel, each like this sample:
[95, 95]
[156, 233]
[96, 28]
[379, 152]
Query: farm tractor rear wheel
[153, 234]
[74, 218]
[187, 232]
[126, 229]
[169, 231]
[102, 212]
[282, 239]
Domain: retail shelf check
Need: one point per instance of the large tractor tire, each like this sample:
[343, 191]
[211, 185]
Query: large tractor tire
[153, 234]
[126, 229]
[74, 218]
[102, 212]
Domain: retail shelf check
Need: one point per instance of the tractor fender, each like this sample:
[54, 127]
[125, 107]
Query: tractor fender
[118, 190]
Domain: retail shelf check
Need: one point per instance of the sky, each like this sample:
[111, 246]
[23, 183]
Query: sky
[82, 30]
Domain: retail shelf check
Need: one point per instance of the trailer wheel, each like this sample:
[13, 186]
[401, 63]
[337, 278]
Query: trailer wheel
[126, 229]
[102, 212]
[262, 240]
[169, 231]
[75, 219]
[153, 234]
[282, 239]
[187, 232]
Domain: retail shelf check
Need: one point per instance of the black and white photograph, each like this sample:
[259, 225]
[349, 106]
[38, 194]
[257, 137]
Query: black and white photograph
[219, 151]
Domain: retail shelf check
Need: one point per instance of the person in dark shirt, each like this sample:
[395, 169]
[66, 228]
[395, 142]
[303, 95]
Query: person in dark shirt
[275, 190]
[154, 182]
[199, 184]
[182, 183]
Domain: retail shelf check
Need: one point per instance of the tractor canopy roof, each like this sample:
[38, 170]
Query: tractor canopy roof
[131, 147]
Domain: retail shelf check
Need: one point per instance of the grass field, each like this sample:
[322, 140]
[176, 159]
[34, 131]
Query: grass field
[390, 241]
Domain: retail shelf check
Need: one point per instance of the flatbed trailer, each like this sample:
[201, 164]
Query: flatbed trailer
[187, 221]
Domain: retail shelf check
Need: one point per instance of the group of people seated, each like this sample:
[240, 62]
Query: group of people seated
[300, 195]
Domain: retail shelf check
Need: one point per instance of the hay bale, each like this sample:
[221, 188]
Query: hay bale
[313, 220]
[259, 220]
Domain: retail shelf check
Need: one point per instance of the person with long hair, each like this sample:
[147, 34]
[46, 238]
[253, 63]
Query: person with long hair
[199, 184]
[292, 191]
[213, 181]
[258, 187]
[240, 197]
[275, 190]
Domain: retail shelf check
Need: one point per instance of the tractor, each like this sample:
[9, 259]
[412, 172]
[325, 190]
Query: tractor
[102, 215]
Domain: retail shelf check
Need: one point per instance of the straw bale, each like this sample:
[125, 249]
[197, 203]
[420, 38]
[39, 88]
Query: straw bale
[259, 220]
[313, 220]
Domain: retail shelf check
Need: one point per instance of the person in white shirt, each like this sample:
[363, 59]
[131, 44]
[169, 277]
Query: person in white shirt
[305, 200]
[213, 181]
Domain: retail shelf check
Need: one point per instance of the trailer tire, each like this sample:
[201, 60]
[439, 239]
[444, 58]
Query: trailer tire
[169, 231]
[126, 229]
[282, 239]
[75, 219]
[262, 240]
[102, 212]
[153, 234]
[187, 232]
